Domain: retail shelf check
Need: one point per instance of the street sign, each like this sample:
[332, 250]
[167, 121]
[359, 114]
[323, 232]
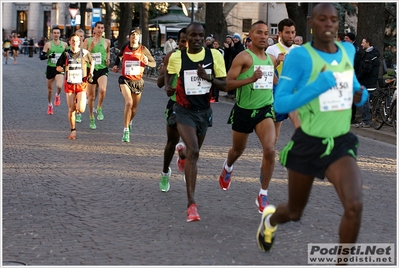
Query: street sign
[96, 16]
[73, 22]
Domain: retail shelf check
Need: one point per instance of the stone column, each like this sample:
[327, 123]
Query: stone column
[8, 18]
[35, 20]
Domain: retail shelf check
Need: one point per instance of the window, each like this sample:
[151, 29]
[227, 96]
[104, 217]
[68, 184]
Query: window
[246, 25]
[273, 29]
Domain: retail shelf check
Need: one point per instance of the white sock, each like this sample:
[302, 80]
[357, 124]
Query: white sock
[125, 129]
[264, 192]
[131, 122]
[228, 169]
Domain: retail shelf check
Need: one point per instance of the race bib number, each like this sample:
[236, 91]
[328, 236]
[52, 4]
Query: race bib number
[96, 58]
[339, 97]
[194, 85]
[55, 59]
[266, 82]
[75, 76]
[132, 67]
[7, 45]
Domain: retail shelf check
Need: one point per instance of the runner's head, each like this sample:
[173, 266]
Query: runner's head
[324, 23]
[195, 37]
[182, 38]
[286, 32]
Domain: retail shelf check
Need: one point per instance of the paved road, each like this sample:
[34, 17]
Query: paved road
[96, 201]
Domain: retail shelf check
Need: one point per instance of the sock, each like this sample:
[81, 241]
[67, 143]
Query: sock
[165, 174]
[264, 192]
[228, 169]
[125, 129]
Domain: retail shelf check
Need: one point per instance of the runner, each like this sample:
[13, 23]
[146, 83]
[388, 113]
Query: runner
[52, 50]
[172, 133]
[74, 62]
[252, 74]
[318, 81]
[134, 59]
[99, 47]
[198, 69]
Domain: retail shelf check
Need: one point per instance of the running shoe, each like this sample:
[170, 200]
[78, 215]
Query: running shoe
[92, 122]
[225, 178]
[192, 213]
[180, 162]
[57, 100]
[50, 109]
[126, 136]
[265, 235]
[261, 201]
[164, 184]
[72, 135]
[130, 127]
[100, 115]
[78, 118]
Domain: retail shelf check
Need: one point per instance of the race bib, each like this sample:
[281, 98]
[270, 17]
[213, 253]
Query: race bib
[194, 85]
[7, 45]
[266, 82]
[75, 76]
[55, 59]
[132, 67]
[96, 57]
[339, 97]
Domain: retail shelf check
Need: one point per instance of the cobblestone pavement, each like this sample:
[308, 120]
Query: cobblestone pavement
[96, 201]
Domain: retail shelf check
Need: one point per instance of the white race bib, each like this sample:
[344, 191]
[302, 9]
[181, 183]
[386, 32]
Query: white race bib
[55, 59]
[132, 67]
[96, 57]
[194, 85]
[266, 82]
[75, 76]
[339, 97]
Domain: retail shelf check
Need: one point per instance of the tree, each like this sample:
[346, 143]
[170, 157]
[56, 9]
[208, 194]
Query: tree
[298, 13]
[107, 19]
[145, 7]
[215, 19]
[371, 24]
[125, 24]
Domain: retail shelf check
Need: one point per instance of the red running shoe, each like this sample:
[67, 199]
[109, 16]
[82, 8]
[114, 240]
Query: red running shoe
[57, 100]
[225, 178]
[192, 213]
[50, 109]
[180, 162]
[261, 201]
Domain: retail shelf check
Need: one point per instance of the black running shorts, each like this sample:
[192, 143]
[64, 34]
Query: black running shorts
[312, 156]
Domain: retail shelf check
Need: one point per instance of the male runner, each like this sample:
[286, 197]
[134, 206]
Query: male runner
[52, 50]
[99, 47]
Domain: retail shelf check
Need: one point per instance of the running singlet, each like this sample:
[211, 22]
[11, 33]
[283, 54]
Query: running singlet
[193, 92]
[15, 42]
[329, 115]
[99, 54]
[259, 94]
[7, 44]
[133, 64]
[58, 50]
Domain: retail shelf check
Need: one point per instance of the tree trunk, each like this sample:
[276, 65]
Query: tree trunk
[299, 15]
[83, 16]
[371, 24]
[215, 21]
[145, 7]
[107, 20]
[125, 24]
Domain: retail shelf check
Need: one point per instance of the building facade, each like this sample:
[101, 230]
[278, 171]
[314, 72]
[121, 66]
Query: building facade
[35, 20]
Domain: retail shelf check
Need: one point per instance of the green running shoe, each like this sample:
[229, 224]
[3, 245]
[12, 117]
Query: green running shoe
[78, 118]
[164, 184]
[92, 122]
[100, 115]
[126, 136]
